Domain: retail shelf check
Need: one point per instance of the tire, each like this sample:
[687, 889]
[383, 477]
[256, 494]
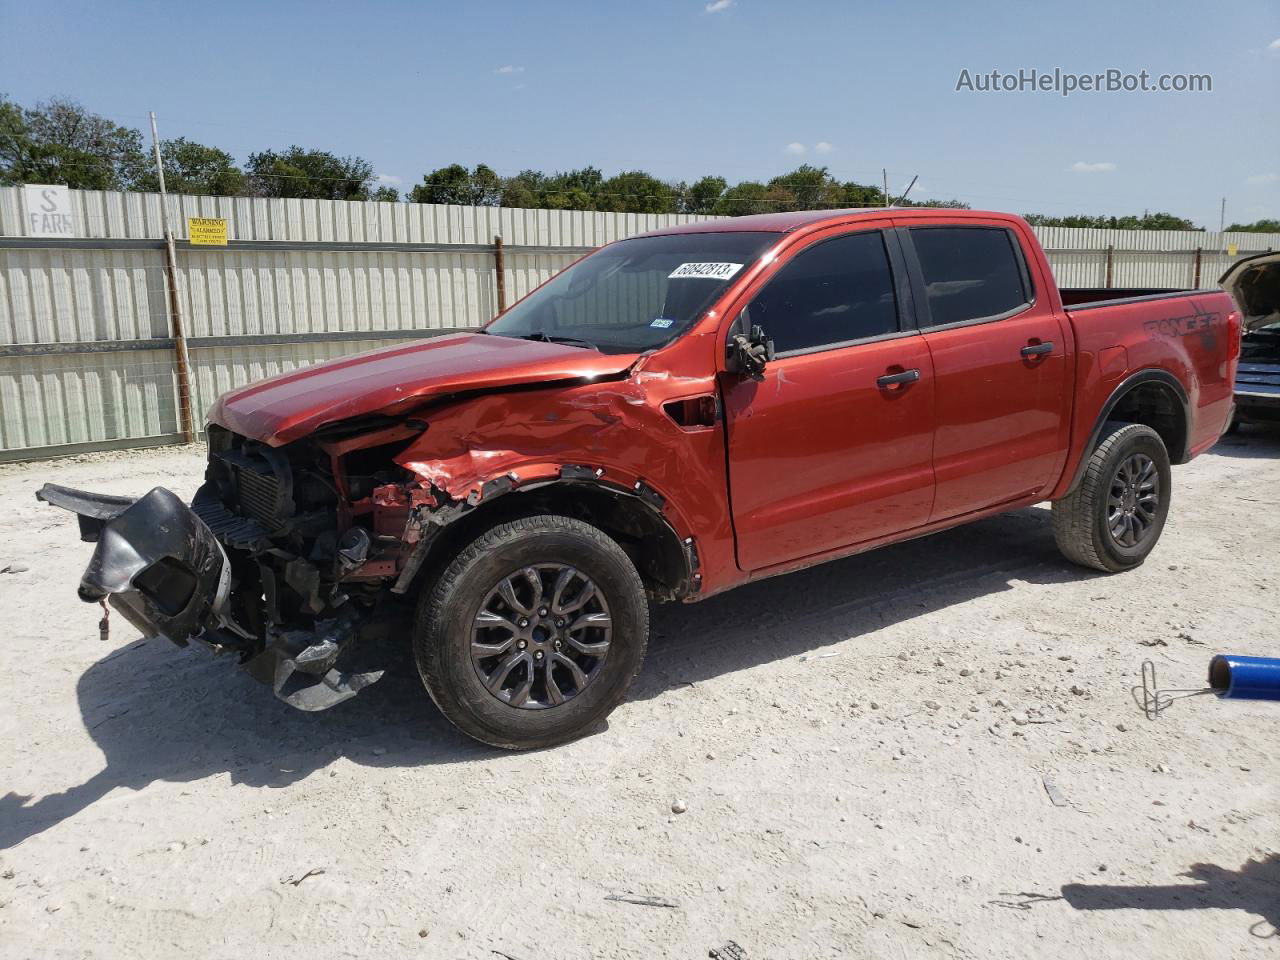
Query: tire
[1083, 520]
[532, 554]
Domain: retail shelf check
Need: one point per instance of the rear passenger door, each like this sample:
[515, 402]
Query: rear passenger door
[832, 447]
[999, 361]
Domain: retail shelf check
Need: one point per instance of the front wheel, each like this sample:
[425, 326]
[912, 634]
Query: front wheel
[1115, 516]
[533, 633]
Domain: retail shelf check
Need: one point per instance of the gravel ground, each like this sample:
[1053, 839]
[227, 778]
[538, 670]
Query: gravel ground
[930, 750]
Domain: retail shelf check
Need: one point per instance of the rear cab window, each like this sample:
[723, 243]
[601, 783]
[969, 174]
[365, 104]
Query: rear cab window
[833, 293]
[970, 274]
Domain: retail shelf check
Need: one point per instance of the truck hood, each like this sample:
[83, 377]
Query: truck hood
[396, 379]
[1254, 284]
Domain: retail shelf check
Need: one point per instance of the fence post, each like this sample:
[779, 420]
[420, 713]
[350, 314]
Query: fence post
[175, 313]
[500, 272]
[1195, 282]
[1111, 255]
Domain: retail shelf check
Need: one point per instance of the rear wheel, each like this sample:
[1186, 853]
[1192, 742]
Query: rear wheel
[1114, 518]
[533, 633]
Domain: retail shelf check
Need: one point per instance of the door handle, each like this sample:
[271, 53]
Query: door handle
[893, 379]
[1037, 349]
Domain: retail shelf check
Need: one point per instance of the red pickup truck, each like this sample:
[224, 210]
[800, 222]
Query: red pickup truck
[673, 415]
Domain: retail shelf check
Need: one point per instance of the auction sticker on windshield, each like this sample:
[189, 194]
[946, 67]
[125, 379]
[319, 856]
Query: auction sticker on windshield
[709, 271]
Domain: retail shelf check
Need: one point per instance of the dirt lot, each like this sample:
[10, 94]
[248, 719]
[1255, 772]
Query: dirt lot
[869, 752]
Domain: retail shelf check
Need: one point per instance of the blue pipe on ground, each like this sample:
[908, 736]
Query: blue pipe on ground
[1245, 678]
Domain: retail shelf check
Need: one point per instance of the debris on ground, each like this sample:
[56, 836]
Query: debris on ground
[642, 901]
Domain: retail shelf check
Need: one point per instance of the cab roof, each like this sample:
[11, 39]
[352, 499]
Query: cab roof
[798, 219]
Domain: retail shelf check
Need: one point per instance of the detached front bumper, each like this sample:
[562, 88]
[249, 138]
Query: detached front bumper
[162, 567]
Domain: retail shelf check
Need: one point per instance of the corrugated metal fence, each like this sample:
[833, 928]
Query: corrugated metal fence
[86, 355]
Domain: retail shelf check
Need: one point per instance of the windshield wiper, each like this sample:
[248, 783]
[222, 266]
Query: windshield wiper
[570, 341]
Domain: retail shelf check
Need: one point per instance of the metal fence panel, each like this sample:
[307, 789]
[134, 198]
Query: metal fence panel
[86, 358]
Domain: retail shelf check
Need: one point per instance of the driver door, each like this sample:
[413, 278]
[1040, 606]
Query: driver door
[834, 446]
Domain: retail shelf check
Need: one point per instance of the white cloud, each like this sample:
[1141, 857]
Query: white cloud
[388, 180]
[1261, 178]
[715, 6]
[823, 147]
[1102, 166]
[795, 149]
[509, 68]
[1273, 45]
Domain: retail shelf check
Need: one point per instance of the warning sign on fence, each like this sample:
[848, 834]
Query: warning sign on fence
[207, 231]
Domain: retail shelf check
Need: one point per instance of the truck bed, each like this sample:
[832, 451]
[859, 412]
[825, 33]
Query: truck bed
[1084, 298]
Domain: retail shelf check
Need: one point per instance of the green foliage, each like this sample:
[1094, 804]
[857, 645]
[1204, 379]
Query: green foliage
[1258, 226]
[702, 196]
[635, 191]
[456, 184]
[310, 174]
[193, 168]
[807, 188]
[747, 197]
[59, 141]
[1148, 221]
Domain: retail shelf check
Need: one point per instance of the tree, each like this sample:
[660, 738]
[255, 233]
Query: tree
[702, 196]
[1148, 221]
[572, 190]
[811, 188]
[310, 174]
[1258, 226]
[523, 190]
[194, 168]
[59, 141]
[634, 191]
[385, 194]
[456, 184]
[747, 197]
[861, 195]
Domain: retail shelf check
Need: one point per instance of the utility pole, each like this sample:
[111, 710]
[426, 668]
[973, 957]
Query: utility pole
[908, 190]
[175, 313]
[1222, 227]
[885, 173]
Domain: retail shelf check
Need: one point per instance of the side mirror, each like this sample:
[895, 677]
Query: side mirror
[749, 352]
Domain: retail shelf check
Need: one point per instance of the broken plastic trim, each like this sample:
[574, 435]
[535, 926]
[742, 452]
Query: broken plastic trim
[156, 561]
[299, 665]
[162, 568]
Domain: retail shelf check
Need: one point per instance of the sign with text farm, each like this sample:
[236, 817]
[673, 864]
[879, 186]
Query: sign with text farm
[49, 212]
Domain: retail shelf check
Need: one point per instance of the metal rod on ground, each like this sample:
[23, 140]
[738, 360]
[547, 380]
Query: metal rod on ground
[500, 271]
[175, 314]
[1111, 256]
[1195, 281]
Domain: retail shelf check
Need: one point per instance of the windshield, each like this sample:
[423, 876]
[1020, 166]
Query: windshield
[634, 295]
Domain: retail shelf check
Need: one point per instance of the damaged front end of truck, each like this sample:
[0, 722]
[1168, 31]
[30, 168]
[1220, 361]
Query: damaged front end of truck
[314, 524]
[281, 559]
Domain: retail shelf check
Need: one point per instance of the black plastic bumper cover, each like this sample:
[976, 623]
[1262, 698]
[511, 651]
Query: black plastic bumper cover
[156, 561]
[161, 566]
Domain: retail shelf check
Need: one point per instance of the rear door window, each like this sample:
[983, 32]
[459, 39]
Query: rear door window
[831, 293]
[970, 273]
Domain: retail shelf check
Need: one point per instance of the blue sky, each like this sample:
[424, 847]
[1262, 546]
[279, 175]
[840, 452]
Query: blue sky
[681, 88]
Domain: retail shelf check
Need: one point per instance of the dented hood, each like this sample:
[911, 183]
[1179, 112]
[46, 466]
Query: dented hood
[284, 408]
